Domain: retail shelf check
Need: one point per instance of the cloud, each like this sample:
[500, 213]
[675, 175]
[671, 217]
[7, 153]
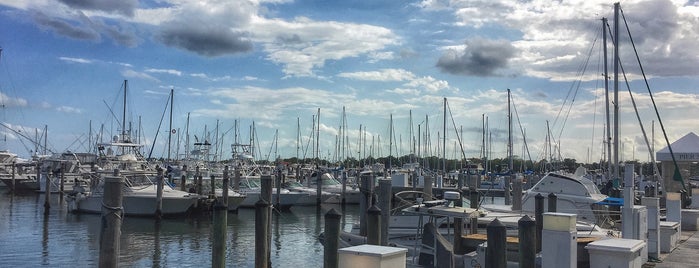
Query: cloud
[210, 42]
[165, 71]
[8, 101]
[209, 29]
[480, 57]
[124, 7]
[70, 110]
[75, 60]
[383, 75]
[316, 42]
[128, 73]
[64, 28]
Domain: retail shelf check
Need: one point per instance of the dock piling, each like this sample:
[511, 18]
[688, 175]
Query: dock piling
[385, 194]
[374, 226]
[495, 256]
[183, 179]
[262, 222]
[112, 214]
[553, 199]
[224, 190]
[159, 194]
[527, 242]
[332, 239]
[539, 217]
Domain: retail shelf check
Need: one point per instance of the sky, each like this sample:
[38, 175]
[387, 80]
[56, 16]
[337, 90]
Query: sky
[388, 65]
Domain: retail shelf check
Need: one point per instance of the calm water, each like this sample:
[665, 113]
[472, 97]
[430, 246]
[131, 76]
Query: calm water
[61, 239]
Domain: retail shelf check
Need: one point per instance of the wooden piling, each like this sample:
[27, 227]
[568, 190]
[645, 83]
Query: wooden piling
[553, 199]
[112, 214]
[385, 196]
[183, 179]
[495, 255]
[278, 184]
[344, 187]
[236, 179]
[539, 217]
[224, 190]
[332, 239]
[517, 195]
[47, 192]
[212, 193]
[63, 178]
[366, 190]
[266, 188]
[427, 189]
[319, 186]
[199, 179]
[262, 222]
[374, 234]
[474, 199]
[220, 218]
[159, 194]
[506, 180]
[14, 167]
[527, 242]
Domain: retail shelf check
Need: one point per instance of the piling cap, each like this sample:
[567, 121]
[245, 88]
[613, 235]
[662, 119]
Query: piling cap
[526, 220]
[333, 214]
[374, 210]
[495, 224]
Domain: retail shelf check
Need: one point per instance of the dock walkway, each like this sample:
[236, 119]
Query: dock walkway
[685, 255]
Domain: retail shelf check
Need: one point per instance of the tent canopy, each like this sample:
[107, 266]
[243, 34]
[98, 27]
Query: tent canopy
[686, 149]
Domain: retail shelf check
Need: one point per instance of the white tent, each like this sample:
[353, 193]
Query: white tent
[686, 151]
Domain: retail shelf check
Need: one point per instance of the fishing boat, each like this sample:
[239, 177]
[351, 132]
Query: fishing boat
[139, 197]
[331, 185]
[312, 194]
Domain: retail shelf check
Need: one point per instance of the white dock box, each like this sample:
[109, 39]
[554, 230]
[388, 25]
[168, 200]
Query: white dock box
[690, 219]
[617, 252]
[371, 256]
[669, 235]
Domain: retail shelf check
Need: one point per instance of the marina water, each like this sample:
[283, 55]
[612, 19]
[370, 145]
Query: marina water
[28, 238]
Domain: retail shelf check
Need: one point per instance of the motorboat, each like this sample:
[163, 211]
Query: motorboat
[311, 198]
[139, 197]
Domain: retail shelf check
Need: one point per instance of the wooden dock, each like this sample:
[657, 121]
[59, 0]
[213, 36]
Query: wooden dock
[685, 255]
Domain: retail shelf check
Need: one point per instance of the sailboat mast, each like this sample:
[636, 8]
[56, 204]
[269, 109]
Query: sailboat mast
[444, 144]
[608, 138]
[123, 116]
[509, 132]
[616, 91]
[169, 137]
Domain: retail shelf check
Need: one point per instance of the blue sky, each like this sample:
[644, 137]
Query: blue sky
[275, 62]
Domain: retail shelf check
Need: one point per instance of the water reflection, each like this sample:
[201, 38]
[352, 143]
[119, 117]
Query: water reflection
[68, 240]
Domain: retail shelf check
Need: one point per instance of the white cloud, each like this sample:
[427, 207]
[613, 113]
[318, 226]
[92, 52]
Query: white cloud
[68, 109]
[383, 75]
[165, 71]
[75, 60]
[133, 74]
[8, 101]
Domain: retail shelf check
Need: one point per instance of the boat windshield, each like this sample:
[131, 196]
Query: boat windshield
[591, 187]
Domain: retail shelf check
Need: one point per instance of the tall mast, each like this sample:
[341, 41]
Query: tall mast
[123, 117]
[186, 139]
[444, 144]
[318, 137]
[616, 91]
[390, 140]
[509, 132]
[608, 138]
[169, 137]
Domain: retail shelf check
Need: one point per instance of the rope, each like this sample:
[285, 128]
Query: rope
[117, 211]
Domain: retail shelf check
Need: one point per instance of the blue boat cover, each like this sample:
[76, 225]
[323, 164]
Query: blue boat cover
[612, 201]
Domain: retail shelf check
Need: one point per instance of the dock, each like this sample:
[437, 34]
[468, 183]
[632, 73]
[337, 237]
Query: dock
[684, 255]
